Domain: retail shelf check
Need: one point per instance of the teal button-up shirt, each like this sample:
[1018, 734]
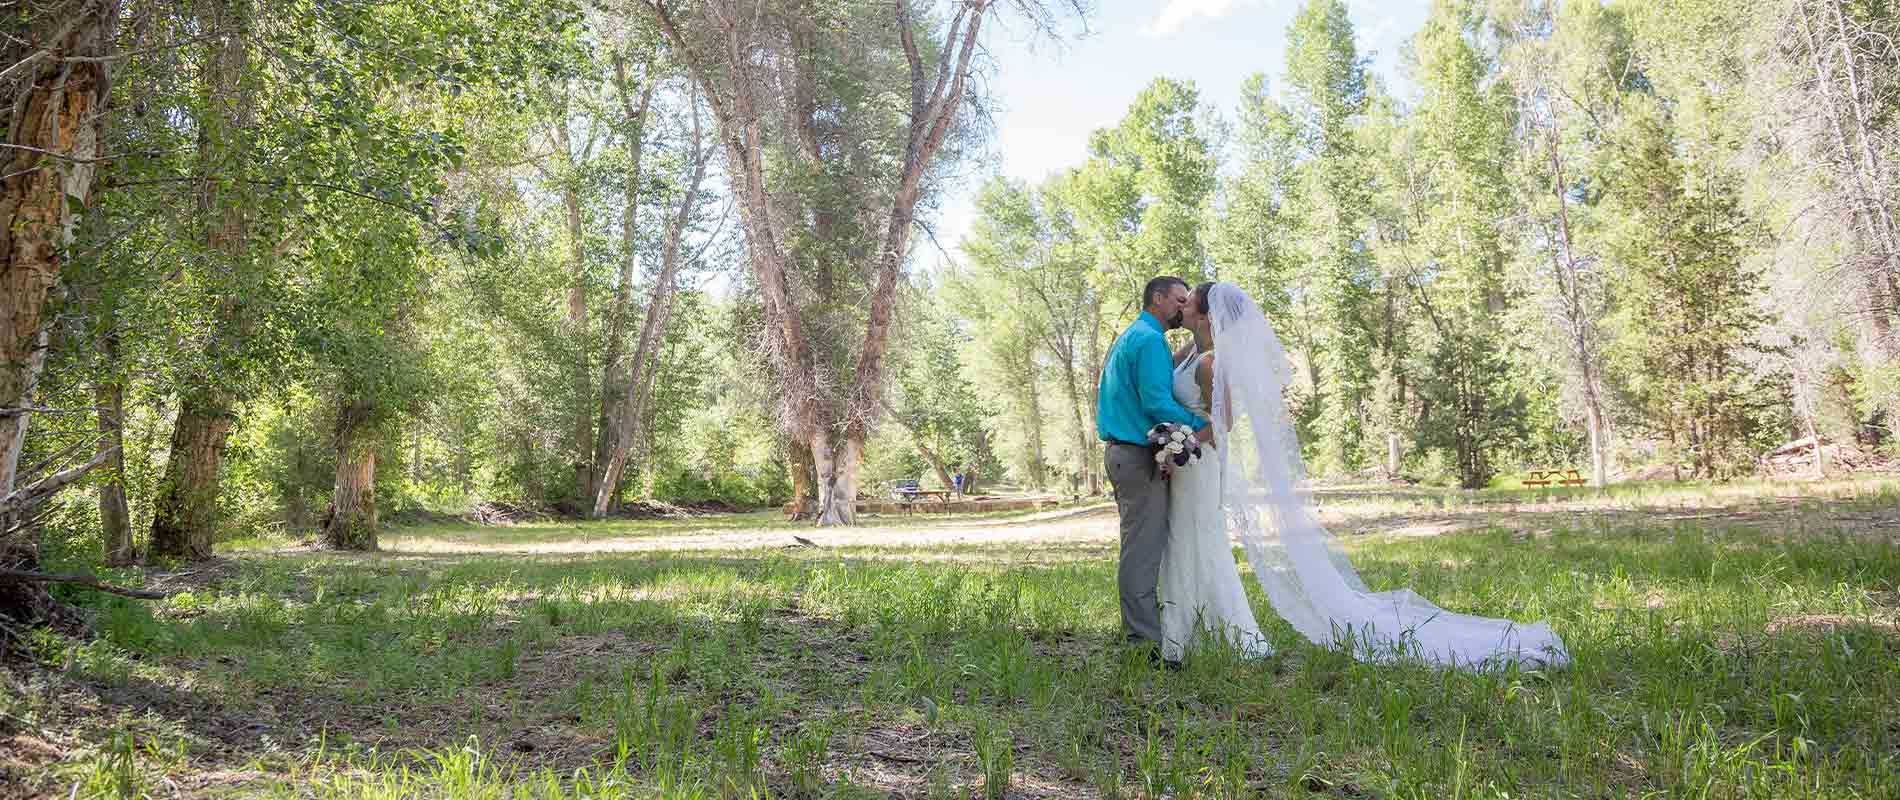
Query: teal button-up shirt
[1137, 391]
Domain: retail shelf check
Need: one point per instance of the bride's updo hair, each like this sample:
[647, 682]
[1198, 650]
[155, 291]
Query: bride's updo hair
[1200, 295]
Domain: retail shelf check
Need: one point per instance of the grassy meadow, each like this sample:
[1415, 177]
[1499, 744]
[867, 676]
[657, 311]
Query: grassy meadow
[1730, 641]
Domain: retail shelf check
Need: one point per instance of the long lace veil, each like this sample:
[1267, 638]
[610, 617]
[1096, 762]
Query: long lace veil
[1308, 579]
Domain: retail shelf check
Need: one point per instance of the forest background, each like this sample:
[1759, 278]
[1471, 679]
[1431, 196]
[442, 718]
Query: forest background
[321, 265]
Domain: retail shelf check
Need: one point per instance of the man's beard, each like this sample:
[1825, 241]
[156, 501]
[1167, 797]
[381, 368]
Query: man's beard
[1175, 321]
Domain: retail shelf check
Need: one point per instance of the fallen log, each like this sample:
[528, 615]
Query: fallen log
[82, 580]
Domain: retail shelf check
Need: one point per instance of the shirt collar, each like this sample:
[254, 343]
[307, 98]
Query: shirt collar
[1152, 321]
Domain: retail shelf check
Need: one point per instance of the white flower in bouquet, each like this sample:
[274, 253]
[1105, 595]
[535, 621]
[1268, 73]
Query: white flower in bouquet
[1175, 447]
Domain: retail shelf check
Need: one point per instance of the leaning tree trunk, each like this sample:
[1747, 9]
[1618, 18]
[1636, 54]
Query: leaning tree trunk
[187, 511]
[631, 412]
[350, 524]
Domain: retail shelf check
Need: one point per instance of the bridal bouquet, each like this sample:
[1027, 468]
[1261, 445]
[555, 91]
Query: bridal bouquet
[1174, 442]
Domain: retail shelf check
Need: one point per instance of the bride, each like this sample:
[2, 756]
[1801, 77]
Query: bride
[1246, 485]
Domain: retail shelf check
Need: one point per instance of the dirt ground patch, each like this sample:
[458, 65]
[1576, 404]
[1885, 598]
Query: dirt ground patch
[1095, 527]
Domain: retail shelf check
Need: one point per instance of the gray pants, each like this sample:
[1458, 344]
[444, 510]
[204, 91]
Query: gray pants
[1141, 496]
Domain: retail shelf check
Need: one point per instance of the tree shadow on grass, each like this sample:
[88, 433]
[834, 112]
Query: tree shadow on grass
[542, 658]
[529, 655]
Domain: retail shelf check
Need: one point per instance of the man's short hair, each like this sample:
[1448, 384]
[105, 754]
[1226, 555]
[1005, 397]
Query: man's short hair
[1158, 286]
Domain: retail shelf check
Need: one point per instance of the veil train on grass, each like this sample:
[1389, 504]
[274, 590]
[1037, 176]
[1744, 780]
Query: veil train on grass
[1308, 579]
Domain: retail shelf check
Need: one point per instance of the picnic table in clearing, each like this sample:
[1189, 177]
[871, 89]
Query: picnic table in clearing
[1546, 477]
[908, 491]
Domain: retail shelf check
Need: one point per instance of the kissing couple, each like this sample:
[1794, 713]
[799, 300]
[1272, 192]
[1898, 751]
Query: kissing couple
[1180, 586]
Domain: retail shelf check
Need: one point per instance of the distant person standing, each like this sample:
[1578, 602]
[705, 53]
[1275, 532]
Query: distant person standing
[956, 483]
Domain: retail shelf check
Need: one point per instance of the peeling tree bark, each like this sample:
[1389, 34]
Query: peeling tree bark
[56, 91]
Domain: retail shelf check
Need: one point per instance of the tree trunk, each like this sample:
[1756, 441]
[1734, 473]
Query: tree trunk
[633, 405]
[1577, 319]
[187, 512]
[1820, 453]
[1392, 453]
[575, 318]
[1082, 448]
[186, 515]
[350, 524]
[1599, 452]
[936, 463]
[108, 395]
[804, 502]
[55, 90]
[114, 517]
[577, 328]
[837, 474]
[56, 93]
[1033, 412]
[415, 455]
[1093, 388]
[464, 464]
[617, 370]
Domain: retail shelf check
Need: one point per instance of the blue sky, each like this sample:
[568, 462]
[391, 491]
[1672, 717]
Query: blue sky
[1051, 97]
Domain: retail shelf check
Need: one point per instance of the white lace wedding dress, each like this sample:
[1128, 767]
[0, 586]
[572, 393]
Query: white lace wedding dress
[1201, 594]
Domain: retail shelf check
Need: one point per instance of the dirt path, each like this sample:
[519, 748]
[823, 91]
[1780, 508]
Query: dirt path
[1089, 525]
[1094, 526]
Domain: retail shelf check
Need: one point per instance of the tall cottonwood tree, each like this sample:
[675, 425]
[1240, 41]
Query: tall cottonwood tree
[57, 84]
[1326, 93]
[1026, 243]
[186, 516]
[1464, 128]
[760, 69]
[1569, 67]
[1832, 79]
[629, 410]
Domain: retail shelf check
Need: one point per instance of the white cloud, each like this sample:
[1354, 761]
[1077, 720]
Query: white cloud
[1179, 12]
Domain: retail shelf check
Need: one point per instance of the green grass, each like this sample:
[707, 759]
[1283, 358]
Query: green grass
[1709, 662]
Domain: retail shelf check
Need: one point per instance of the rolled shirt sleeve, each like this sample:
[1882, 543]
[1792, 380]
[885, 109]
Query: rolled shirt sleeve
[1154, 381]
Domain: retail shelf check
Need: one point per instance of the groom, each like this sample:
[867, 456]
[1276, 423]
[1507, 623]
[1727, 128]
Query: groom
[1136, 394]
